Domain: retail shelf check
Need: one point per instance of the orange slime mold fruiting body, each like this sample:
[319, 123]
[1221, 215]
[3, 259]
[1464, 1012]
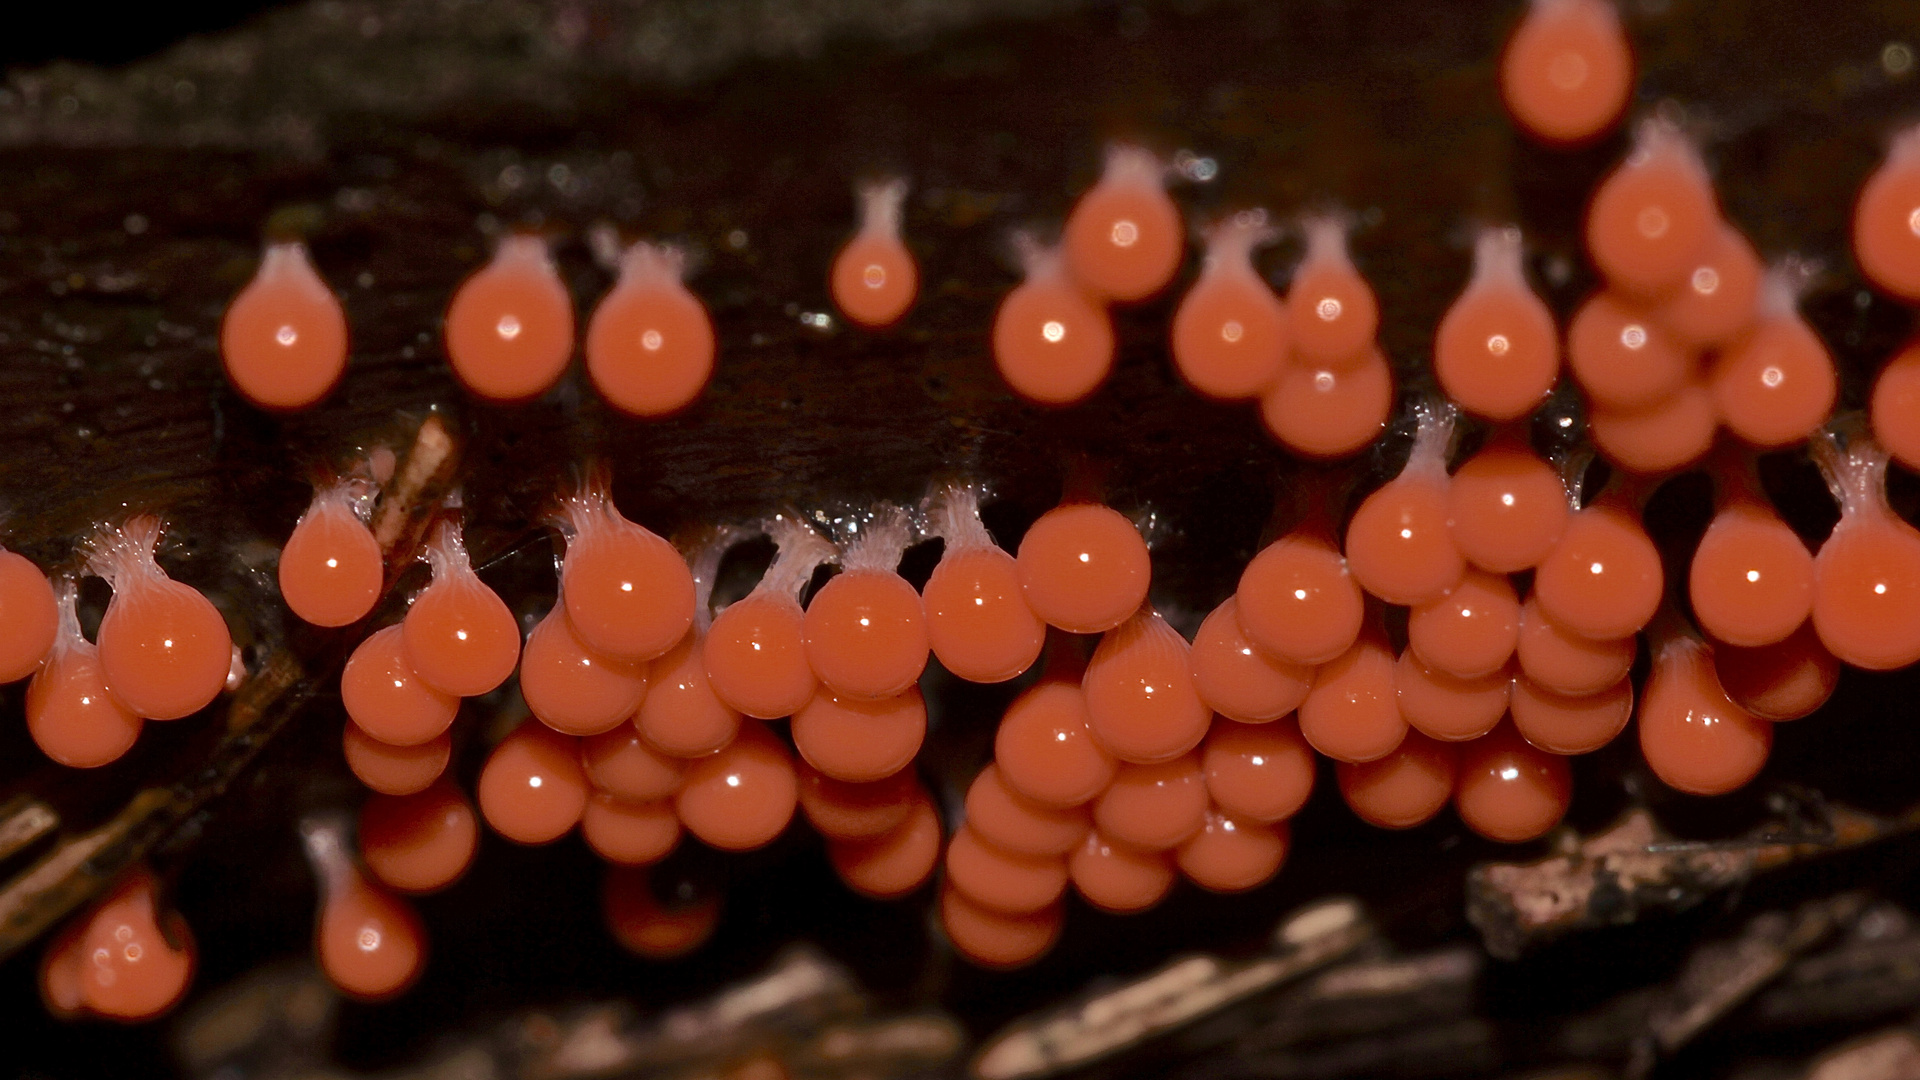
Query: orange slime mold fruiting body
[1399, 545]
[1694, 737]
[1624, 359]
[866, 630]
[897, 861]
[1444, 706]
[532, 788]
[681, 715]
[1257, 772]
[1895, 409]
[1664, 436]
[1001, 880]
[1228, 855]
[650, 343]
[384, 697]
[1886, 220]
[1775, 384]
[458, 635]
[1046, 748]
[874, 278]
[164, 648]
[1052, 341]
[284, 338]
[1119, 878]
[1298, 600]
[993, 939]
[1783, 681]
[756, 652]
[648, 928]
[1508, 791]
[1124, 239]
[859, 740]
[419, 843]
[331, 569]
[625, 765]
[70, 713]
[1239, 680]
[856, 812]
[743, 796]
[1471, 631]
[1506, 507]
[395, 770]
[29, 617]
[509, 329]
[369, 943]
[629, 833]
[1403, 789]
[1330, 307]
[1230, 333]
[978, 621]
[1352, 713]
[1567, 71]
[1011, 821]
[1084, 568]
[1567, 724]
[1654, 216]
[628, 593]
[59, 975]
[1866, 577]
[573, 688]
[1497, 350]
[134, 963]
[1721, 296]
[1603, 581]
[1751, 579]
[1141, 701]
[1324, 412]
[1154, 807]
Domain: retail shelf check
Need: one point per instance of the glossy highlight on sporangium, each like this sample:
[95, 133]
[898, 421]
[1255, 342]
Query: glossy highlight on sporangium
[1124, 238]
[1567, 71]
[165, 650]
[755, 652]
[1231, 333]
[979, 625]
[331, 568]
[73, 717]
[1052, 339]
[627, 592]
[509, 329]
[458, 635]
[650, 342]
[874, 278]
[283, 340]
[866, 630]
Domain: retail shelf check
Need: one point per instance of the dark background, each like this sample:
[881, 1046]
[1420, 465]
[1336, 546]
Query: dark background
[396, 145]
[83, 35]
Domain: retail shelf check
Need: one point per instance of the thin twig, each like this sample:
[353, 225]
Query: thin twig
[23, 820]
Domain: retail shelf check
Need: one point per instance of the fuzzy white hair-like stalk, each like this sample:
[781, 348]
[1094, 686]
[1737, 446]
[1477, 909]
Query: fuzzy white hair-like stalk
[119, 554]
[955, 518]
[800, 551]
[878, 540]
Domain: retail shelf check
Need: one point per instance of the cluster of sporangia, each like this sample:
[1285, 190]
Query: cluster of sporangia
[1151, 757]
